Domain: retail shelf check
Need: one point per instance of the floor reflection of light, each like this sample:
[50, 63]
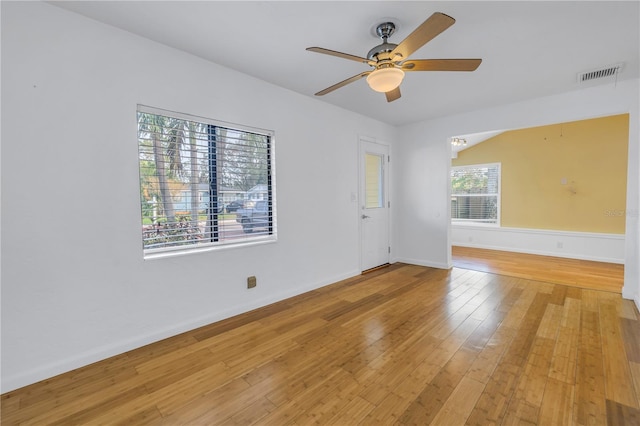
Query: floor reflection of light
[373, 330]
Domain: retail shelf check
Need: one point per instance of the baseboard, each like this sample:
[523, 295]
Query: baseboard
[420, 262]
[13, 382]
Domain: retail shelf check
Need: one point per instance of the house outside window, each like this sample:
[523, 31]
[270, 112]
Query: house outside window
[189, 168]
[475, 194]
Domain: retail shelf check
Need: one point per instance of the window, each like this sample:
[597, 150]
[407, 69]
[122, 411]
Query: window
[373, 181]
[475, 194]
[188, 168]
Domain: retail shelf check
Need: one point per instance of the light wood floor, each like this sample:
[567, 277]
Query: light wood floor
[557, 270]
[402, 345]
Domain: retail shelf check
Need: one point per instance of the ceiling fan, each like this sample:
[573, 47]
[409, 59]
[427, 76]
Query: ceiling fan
[390, 61]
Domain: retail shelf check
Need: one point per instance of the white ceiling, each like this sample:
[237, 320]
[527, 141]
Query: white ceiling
[529, 49]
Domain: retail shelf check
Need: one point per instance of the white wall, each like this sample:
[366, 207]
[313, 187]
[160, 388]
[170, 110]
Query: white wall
[421, 229]
[75, 288]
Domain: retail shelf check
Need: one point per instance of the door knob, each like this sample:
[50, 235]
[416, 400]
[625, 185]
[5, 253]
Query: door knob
[364, 216]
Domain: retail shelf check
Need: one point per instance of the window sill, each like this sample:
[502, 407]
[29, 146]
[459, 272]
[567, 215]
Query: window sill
[475, 224]
[205, 249]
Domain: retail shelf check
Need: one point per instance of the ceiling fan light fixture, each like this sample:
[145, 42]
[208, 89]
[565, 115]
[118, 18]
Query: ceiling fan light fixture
[385, 79]
[386, 59]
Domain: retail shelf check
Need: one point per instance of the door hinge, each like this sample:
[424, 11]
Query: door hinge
[389, 204]
[389, 250]
[388, 158]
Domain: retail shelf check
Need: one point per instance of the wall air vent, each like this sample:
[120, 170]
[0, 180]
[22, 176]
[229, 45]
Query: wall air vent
[603, 72]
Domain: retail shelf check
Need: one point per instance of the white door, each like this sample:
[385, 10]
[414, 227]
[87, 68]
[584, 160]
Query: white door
[374, 204]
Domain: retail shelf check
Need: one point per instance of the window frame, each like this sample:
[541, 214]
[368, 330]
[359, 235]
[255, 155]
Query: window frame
[212, 220]
[498, 195]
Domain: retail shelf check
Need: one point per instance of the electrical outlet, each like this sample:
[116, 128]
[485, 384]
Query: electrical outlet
[252, 282]
[559, 244]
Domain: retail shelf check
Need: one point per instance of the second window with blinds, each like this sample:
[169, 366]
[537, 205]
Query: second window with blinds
[475, 194]
[203, 183]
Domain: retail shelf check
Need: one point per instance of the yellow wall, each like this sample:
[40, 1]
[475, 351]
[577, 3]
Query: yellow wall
[590, 155]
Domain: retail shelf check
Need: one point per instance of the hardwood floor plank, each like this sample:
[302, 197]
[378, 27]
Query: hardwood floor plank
[535, 373]
[54, 411]
[10, 406]
[635, 374]
[213, 330]
[516, 312]
[216, 405]
[433, 397]
[166, 375]
[487, 360]
[309, 402]
[388, 411]
[482, 335]
[557, 404]
[231, 340]
[629, 310]
[564, 361]
[618, 382]
[520, 412]
[402, 345]
[548, 328]
[88, 414]
[339, 399]
[631, 338]
[620, 414]
[83, 382]
[458, 406]
[252, 413]
[590, 300]
[557, 270]
[496, 397]
[493, 402]
[589, 406]
[153, 350]
[352, 413]
[150, 416]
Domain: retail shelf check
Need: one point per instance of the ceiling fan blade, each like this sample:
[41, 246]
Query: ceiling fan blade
[393, 95]
[343, 83]
[338, 54]
[441, 64]
[429, 29]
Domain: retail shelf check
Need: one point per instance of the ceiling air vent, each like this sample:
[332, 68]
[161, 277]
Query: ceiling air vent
[607, 71]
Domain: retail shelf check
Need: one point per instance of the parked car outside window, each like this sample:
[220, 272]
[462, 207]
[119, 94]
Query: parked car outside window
[233, 206]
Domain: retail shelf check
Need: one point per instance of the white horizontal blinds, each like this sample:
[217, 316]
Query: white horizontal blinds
[243, 164]
[174, 180]
[185, 166]
[475, 193]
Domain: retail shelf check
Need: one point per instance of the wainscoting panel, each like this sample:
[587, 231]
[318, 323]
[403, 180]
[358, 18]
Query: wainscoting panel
[573, 245]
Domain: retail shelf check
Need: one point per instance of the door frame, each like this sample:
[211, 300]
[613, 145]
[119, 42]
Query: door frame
[361, 198]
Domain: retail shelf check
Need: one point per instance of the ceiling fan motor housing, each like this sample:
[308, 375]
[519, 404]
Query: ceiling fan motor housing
[378, 51]
[384, 31]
